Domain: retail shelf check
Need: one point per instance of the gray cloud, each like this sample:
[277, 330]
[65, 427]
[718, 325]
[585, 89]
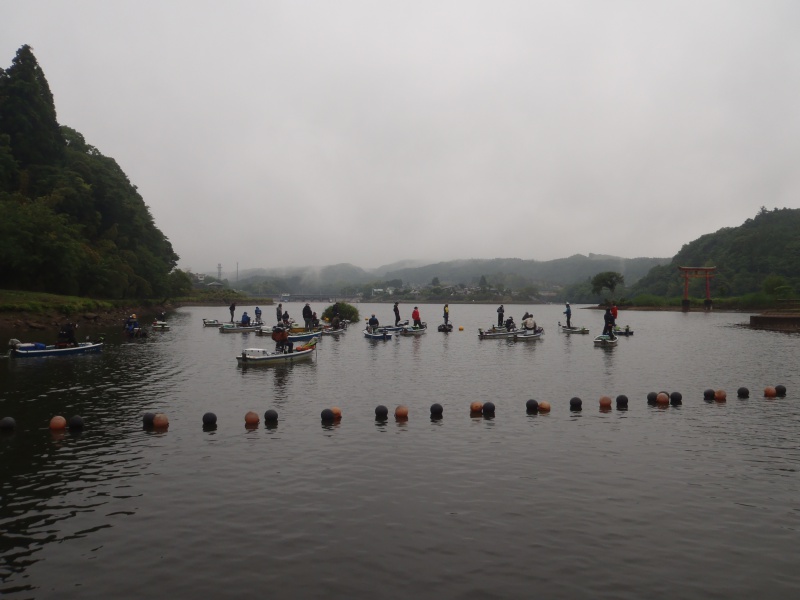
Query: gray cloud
[275, 134]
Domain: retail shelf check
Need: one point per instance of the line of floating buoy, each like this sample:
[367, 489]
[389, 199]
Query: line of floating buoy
[160, 421]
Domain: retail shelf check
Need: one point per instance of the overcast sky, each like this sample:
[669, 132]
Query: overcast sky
[312, 133]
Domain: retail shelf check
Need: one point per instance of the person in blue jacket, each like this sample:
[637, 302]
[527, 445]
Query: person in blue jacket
[258, 316]
[245, 319]
[568, 312]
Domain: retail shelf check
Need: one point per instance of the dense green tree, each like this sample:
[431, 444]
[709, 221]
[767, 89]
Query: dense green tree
[606, 280]
[27, 112]
[72, 221]
[346, 311]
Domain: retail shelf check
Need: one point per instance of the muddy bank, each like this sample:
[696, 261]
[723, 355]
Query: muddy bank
[53, 320]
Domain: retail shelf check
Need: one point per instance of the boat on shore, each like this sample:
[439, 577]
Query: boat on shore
[31, 350]
[263, 356]
[605, 340]
[575, 329]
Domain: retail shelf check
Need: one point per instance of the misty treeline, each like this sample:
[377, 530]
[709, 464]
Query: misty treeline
[72, 222]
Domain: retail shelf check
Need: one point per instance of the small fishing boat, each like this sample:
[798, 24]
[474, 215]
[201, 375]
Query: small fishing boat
[263, 356]
[496, 333]
[380, 334]
[605, 340]
[414, 331]
[526, 335]
[333, 332]
[303, 337]
[396, 328]
[160, 325]
[234, 328]
[574, 329]
[32, 350]
[626, 331]
[212, 323]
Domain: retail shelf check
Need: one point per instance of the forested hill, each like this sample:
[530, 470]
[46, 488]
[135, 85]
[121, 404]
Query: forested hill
[72, 222]
[560, 271]
[763, 250]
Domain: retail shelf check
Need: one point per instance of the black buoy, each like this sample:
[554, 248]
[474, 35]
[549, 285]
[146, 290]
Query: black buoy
[209, 419]
[622, 402]
[676, 398]
[271, 416]
[651, 398]
[381, 412]
[708, 394]
[75, 423]
[575, 404]
[436, 410]
[147, 420]
[327, 415]
[532, 406]
[488, 408]
[780, 390]
[743, 392]
[7, 424]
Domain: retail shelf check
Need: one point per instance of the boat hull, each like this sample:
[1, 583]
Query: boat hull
[527, 337]
[381, 335]
[238, 329]
[604, 340]
[488, 335]
[84, 348]
[260, 356]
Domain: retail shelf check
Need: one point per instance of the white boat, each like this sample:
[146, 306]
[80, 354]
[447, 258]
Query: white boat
[573, 329]
[160, 325]
[605, 340]
[262, 356]
[496, 333]
[526, 335]
[213, 323]
[334, 332]
[20, 350]
[234, 328]
[380, 334]
[414, 331]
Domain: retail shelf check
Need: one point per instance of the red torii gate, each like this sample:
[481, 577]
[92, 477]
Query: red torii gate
[691, 273]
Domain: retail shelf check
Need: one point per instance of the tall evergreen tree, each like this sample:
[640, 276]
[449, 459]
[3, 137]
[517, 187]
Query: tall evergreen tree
[27, 112]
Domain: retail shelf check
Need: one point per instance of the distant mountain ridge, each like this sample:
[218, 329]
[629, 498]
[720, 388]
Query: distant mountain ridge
[514, 272]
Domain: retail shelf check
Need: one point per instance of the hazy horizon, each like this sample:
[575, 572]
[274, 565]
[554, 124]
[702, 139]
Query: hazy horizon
[277, 134]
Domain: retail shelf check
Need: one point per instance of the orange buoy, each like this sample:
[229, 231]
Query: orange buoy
[544, 406]
[476, 407]
[720, 396]
[58, 422]
[662, 398]
[251, 418]
[461, 328]
[160, 421]
[337, 412]
[401, 412]
[770, 392]
[605, 402]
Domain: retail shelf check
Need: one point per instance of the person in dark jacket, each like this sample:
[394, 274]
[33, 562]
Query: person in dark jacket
[232, 308]
[396, 314]
[279, 313]
[568, 312]
[373, 323]
[500, 312]
[308, 316]
[608, 319]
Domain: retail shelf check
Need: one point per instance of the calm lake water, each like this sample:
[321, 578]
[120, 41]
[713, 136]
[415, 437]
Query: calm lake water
[696, 501]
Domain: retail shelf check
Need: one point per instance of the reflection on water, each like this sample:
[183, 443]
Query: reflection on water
[424, 507]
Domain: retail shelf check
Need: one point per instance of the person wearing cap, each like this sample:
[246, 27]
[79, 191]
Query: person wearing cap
[415, 316]
[500, 312]
[232, 308]
[396, 314]
[308, 316]
[446, 314]
[245, 319]
[568, 312]
[373, 323]
[258, 316]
